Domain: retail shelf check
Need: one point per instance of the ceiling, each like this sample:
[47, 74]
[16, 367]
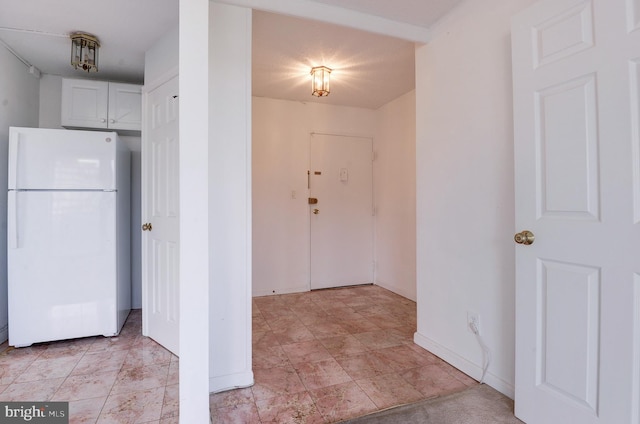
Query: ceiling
[38, 32]
[422, 13]
[368, 69]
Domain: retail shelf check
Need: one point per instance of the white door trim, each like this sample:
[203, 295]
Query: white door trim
[166, 76]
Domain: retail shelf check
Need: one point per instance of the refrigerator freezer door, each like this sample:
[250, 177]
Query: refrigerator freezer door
[62, 265]
[49, 159]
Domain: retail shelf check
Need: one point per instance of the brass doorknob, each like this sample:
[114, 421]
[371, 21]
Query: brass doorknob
[316, 211]
[147, 227]
[526, 237]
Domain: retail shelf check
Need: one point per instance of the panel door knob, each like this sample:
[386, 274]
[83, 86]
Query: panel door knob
[316, 211]
[147, 226]
[526, 237]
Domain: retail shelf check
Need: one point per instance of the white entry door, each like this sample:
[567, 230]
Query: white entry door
[576, 69]
[340, 178]
[160, 294]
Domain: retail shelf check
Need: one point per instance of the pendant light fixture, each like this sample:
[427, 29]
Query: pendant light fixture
[84, 51]
[320, 81]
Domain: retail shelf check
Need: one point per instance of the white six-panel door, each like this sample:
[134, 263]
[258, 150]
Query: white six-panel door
[576, 66]
[160, 215]
[342, 221]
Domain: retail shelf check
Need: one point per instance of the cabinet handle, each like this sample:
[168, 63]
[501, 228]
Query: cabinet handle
[103, 120]
[113, 121]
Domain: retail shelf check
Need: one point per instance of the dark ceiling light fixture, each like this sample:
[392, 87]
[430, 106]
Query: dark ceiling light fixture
[320, 81]
[84, 51]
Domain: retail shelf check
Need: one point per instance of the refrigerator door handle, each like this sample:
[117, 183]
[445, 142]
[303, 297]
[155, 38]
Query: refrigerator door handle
[13, 219]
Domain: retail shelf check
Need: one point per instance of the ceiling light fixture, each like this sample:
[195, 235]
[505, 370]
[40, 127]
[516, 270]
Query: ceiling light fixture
[84, 51]
[320, 81]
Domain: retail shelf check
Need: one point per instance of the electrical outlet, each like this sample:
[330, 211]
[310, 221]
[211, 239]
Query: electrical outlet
[473, 323]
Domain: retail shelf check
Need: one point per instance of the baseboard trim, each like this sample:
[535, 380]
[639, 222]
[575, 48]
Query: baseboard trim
[286, 290]
[397, 290]
[229, 382]
[464, 365]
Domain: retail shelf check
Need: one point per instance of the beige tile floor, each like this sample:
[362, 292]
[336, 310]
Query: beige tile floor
[319, 357]
[124, 379]
[326, 356]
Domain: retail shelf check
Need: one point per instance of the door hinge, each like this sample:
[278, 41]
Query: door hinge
[374, 156]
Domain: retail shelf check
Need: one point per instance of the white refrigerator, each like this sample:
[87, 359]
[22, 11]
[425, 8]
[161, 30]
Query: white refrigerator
[68, 245]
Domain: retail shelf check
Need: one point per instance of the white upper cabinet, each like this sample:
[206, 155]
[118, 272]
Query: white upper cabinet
[125, 106]
[101, 104]
[84, 103]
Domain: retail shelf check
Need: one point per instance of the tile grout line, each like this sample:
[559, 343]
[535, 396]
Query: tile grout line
[130, 347]
[71, 371]
[164, 392]
[119, 371]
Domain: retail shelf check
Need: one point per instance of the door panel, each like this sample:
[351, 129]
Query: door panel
[567, 147]
[563, 34]
[161, 241]
[566, 287]
[342, 227]
[576, 177]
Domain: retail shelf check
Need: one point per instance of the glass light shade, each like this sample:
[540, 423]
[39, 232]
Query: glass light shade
[320, 81]
[84, 51]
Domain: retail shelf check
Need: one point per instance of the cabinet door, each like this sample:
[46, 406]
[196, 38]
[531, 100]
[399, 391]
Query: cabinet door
[125, 106]
[84, 103]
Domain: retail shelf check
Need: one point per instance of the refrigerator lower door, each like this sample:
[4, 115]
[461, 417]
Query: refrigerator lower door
[61, 265]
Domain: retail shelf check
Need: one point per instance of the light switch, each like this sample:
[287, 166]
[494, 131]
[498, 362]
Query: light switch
[344, 174]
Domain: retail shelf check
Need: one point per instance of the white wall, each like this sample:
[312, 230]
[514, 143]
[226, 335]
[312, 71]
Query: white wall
[19, 93]
[395, 195]
[161, 60]
[281, 133]
[50, 101]
[136, 221]
[229, 194]
[465, 200]
[49, 117]
[195, 270]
